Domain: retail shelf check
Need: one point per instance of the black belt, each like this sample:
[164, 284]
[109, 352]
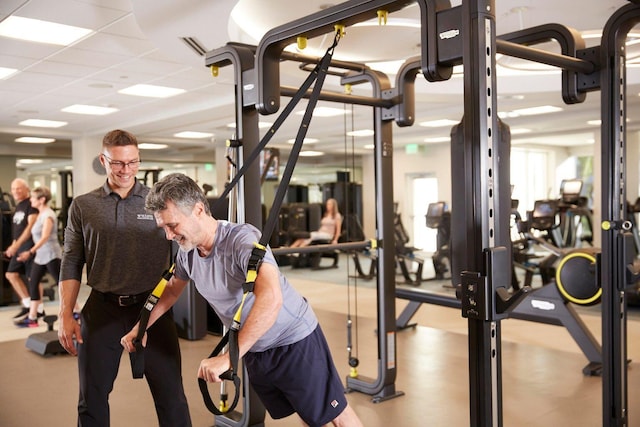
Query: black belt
[125, 300]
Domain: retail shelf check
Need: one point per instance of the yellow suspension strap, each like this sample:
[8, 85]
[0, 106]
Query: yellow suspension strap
[231, 337]
[137, 358]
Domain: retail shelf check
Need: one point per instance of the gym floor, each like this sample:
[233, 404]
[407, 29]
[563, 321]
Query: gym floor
[542, 378]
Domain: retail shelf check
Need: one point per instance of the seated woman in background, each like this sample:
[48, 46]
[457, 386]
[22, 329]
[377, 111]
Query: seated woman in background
[330, 226]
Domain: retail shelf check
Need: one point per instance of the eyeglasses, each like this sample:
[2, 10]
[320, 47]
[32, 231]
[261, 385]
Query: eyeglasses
[117, 165]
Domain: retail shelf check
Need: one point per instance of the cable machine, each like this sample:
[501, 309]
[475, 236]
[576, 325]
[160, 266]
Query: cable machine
[483, 264]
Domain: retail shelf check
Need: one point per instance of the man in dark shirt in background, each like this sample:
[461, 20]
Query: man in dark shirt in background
[22, 220]
[110, 232]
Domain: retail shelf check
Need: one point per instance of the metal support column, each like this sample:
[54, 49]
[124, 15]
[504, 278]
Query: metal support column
[383, 387]
[483, 215]
[249, 197]
[613, 259]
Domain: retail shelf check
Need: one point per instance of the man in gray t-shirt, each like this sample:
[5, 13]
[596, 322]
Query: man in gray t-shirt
[279, 338]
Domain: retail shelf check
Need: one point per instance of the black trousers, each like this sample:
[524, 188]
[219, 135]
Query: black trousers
[37, 273]
[104, 323]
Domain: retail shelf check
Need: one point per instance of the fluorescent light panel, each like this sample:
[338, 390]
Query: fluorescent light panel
[152, 146]
[437, 139]
[326, 112]
[42, 123]
[5, 73]
[35, 30]
[519, 131]
[439, 123]
[29, 161]
[543, 109]
[34, 140]
[361, 132]
[311, 153]
[305, 141]
[261, 125]
[151, 91]
[193, 135]
[91, 110]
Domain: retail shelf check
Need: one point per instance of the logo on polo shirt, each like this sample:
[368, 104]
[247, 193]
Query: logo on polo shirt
[147, 217]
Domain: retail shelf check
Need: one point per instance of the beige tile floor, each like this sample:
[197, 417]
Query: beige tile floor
[542, 380]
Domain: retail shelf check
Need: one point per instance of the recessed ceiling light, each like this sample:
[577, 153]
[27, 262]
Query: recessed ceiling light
[369, 147]
[311, 153]
[596, 122]
[42, 123]
[437, 139]
[5, 73]
[361, 132]
[151, 91]
[305, 141]
[261, 125]
[28, 161]
[89, 110]
[35, 30]
[34, 140]
[543, 109]
[193, 135]
[439, 123]
[519, 131]
[326, 112]
[151, 146]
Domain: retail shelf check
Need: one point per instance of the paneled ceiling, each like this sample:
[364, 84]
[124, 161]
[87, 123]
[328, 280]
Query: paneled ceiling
[140, 42]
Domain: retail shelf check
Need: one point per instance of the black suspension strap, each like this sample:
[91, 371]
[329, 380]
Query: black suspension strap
[137, 357]
[255, 260]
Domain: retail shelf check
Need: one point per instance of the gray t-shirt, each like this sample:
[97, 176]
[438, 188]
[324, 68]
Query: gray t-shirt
[219, 278]
[51, 248]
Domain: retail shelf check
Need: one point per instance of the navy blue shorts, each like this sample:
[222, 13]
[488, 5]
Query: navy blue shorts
[299, 378]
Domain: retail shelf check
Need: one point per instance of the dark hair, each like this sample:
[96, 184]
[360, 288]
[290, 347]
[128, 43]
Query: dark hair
[119, 138]
[176, 188]
[42, 192]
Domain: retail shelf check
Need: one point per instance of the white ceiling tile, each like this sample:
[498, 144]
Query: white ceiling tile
[150, 66]
[110, 43]
[95, 59]
[26, 49]
[17, 62]
[126, 27]
[71, 12]
[123, 5]
[63, 69]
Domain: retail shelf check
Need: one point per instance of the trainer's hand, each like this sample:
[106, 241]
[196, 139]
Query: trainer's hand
[69, 333]
[127, 341]
[211, 369]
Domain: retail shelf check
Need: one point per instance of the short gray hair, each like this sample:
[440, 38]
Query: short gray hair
[176, 188]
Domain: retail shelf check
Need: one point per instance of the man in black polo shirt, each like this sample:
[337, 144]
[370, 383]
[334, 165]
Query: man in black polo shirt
[110, 232]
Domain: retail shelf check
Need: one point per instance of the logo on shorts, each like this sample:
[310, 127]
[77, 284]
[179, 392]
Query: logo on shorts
[334, 403]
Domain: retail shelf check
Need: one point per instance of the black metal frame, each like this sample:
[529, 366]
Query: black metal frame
[485, 259]
[247, 133]
[616, 241]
